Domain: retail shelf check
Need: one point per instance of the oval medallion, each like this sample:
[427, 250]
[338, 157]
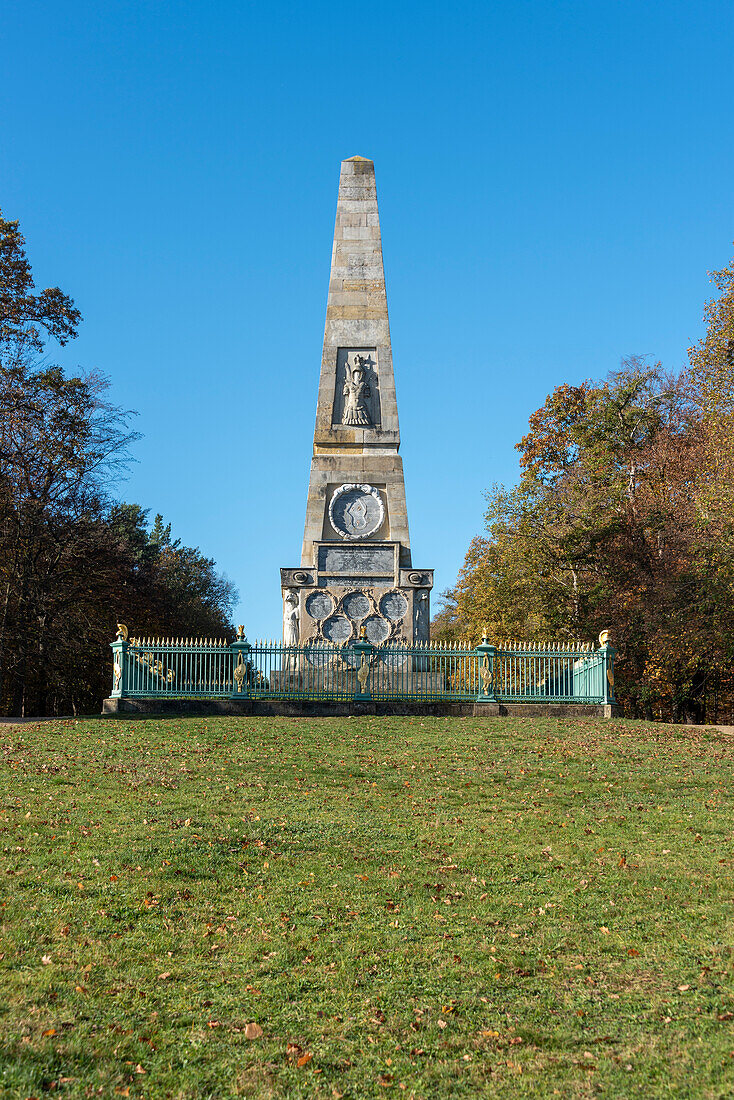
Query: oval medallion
[319, 605]
[376, 630]
[337, 629]
[356, 605]
[356, 511]
[393, 606]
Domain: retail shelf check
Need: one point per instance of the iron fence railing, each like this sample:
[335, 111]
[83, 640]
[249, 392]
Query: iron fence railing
[216, 668]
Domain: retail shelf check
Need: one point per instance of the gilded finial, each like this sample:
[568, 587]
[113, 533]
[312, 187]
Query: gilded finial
[604, 637]
[122, 634]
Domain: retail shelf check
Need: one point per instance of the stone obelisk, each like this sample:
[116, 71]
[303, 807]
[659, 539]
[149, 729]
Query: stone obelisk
[356, 570]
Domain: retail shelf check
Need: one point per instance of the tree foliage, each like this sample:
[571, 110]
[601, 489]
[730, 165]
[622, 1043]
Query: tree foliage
[621, 520]
[72, 560]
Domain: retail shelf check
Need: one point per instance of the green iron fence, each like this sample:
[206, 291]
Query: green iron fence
[512, 672]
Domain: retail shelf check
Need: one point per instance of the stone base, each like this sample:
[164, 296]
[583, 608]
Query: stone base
[344, 681]
[324, 708]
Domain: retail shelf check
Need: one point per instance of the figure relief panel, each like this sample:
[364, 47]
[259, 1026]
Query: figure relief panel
[357, 390]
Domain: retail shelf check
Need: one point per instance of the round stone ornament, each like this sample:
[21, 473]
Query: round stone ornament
[356, 605]
[394, 658]
[337, 629]
[319, 655]
[394, 606]
[376, 630]
[319, 605]
[356, 511]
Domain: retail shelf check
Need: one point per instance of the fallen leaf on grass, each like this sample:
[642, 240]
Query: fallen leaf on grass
[166, 974]
[49, 1031]
[45, 959]
[683, 988]
[305, 1058]
[253, 1031]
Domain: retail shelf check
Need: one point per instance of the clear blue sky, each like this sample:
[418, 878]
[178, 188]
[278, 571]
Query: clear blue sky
[555, 180]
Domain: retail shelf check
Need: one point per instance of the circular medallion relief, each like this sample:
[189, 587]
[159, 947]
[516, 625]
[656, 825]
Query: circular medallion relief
[356, 511]
[319, 655]
[376, 630]
[393, 658]
[319, 605]
[393, 606]
[337, 629]
[415, 578]
[356, 605]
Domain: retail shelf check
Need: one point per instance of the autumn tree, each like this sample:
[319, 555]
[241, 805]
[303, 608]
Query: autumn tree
[604, 531]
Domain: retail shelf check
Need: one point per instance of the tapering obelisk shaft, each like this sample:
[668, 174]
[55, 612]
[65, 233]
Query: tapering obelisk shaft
[356, 562]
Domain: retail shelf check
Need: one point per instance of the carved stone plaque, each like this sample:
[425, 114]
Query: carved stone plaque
[335, 581]
[356, 605]
[319, 655]
[356, 511]
[394, 606]
[319, 605]
[376, 629]
[393, 658]
[357, 389]
[337, 629]
[364, 560]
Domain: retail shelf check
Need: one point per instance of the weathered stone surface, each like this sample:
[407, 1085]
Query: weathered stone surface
[301, 708]
[368, 560]
[356, 489]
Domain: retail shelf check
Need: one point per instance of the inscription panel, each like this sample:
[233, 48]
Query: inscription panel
[364, 560]
[330, 581]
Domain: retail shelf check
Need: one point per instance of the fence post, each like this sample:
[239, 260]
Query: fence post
[119, 656]
[363, 649]
[607, 654]
[485, 658]
[242, 669]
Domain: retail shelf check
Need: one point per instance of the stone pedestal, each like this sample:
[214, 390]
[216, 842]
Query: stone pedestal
[356, 571]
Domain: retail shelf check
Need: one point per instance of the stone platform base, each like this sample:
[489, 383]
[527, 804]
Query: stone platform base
[323, 708]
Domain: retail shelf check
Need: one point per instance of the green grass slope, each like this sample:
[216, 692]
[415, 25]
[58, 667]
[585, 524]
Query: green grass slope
[366, 907]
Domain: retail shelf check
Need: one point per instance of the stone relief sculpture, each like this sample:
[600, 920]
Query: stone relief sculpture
[356, 390]
[356, 511]
[290, 618]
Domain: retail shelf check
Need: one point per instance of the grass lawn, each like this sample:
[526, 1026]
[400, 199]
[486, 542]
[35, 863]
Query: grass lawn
[365, 907]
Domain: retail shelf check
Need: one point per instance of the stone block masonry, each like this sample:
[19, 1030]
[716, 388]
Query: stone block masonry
[356, 494]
